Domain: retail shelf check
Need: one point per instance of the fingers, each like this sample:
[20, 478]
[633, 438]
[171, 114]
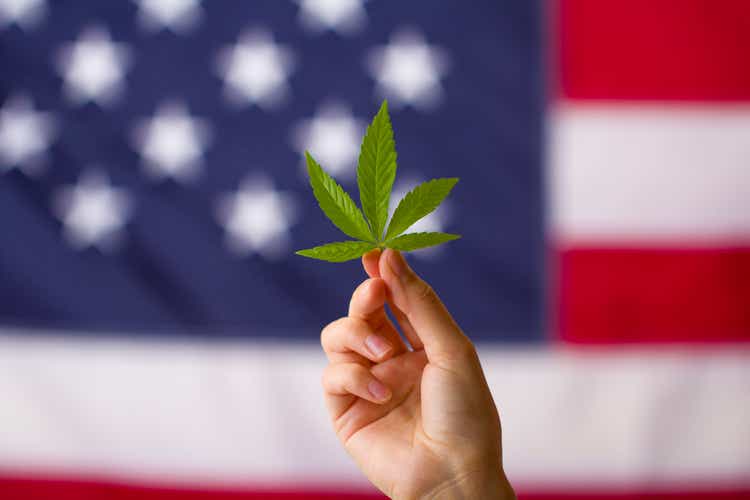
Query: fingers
[368, 305]
[406, 327]
[348, 335]
[368, 300]
[441, 336]
[351, 378]
[370, 263]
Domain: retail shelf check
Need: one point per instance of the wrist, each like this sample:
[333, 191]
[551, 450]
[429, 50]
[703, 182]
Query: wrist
[478, 485]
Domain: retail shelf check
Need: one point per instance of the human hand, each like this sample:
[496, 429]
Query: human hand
[419, 423]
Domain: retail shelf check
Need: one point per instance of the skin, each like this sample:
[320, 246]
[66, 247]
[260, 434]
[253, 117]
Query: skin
[419, 421]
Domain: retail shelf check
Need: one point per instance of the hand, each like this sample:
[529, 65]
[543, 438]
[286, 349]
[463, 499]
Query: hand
[419, 423]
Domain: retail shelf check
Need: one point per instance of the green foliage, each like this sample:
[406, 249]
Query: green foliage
[417, 203]
[339, 251]
[336, 203]
[414, 241]
[375, 176]
[377, 170]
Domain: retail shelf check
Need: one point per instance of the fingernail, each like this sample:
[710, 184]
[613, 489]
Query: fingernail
[397, 263]
[378, 390]
[377, 345]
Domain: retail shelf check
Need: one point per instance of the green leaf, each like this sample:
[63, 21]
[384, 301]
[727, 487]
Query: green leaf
[336, 203]
[377, 170]
[414, 241]
[419, 202]
[339, 251]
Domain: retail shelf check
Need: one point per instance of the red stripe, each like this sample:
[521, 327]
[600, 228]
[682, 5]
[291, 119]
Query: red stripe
[675, 495]
[37, 489]
[40, 489]
[655, 50]
[643, 295]
[63, 489]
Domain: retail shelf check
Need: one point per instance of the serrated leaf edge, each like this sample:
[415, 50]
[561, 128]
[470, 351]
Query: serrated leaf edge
[339, 195]
[404, 201]
[361, 223]
[368, 245]
[451, 237]
[378, 151]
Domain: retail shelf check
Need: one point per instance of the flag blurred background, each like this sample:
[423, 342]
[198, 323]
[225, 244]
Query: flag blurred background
[159, 338]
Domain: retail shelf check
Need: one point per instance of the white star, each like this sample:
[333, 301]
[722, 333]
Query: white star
[23, 13]
[179, 16]
[434, 221]
[93, 68]
[172, 143]
[345, 17]
[408, 71]
[257, 218]
[92, 212]
[25, 135]
[333, 137]
[255, 70]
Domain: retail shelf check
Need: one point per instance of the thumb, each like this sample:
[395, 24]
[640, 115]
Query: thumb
[442, 338]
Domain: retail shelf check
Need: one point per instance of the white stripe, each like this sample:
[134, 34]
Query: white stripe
[253, 413]
[650, 173]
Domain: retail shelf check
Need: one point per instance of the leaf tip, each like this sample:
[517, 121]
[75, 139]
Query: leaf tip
[383, 113]
[312, 165]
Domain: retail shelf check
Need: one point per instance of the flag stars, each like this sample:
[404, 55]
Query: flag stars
[257, 218]
[25, 135]
[332, 136]
[93, 68]
[92, 212]
[255, 70]
[172, 143]
[345, 17]
[408, 71]
[23, 13]
[178, 16]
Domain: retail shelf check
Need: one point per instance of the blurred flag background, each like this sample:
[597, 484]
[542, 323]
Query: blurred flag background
[159, 339]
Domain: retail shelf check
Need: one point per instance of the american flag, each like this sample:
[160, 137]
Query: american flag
[159, 339]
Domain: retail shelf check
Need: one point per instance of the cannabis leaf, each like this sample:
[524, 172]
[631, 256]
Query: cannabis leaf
[377, 170]
[336, 203]
[339, 251]
[413, 241]
[419, 202]
[376, 173]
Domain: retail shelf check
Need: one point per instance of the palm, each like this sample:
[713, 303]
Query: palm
[389, 441]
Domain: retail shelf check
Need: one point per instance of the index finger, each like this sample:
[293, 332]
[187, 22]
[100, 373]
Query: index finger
[370, 261]
[368, 304]
[368, 300]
